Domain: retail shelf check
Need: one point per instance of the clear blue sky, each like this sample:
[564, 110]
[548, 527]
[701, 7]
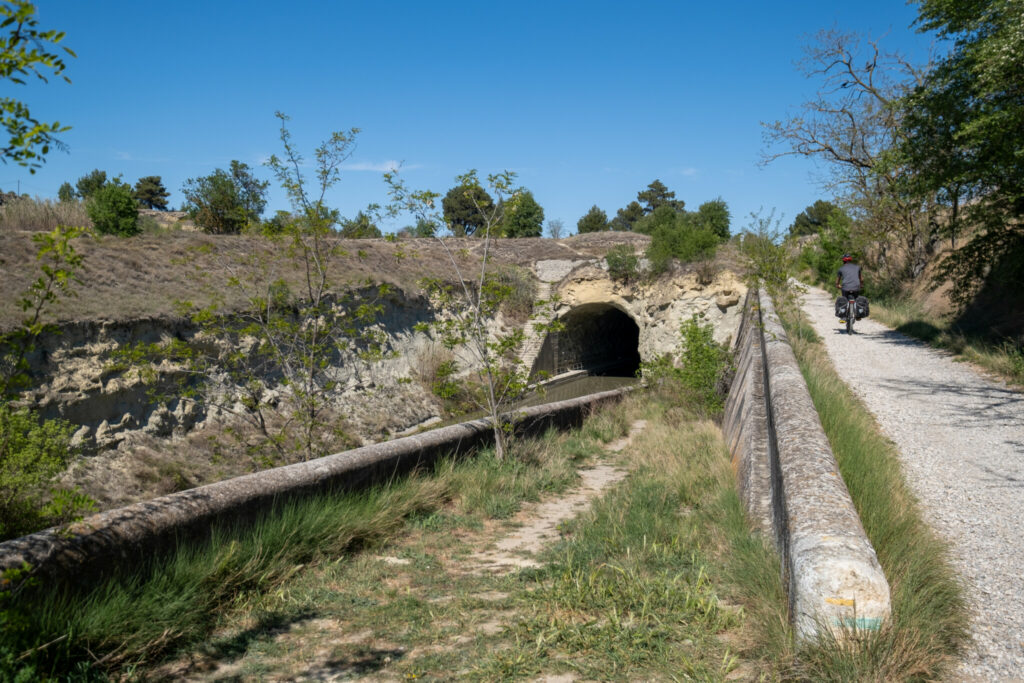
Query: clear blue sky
[587, 101]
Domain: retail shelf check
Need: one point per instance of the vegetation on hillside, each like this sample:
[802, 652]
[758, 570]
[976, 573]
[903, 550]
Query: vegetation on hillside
[33, 451]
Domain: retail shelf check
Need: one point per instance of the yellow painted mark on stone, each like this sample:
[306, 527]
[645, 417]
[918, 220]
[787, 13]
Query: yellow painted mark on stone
[845, 602]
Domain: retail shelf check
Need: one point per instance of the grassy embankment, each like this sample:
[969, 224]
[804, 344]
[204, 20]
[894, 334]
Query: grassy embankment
[930, 621]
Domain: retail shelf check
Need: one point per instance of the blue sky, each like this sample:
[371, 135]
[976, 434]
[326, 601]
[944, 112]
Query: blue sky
[587, 102]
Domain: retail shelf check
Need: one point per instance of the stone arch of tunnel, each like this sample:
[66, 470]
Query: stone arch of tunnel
[597, 337]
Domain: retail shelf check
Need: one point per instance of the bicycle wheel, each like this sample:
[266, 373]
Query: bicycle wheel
[850, 313]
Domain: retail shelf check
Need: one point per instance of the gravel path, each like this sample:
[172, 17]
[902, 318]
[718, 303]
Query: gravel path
[961, 439]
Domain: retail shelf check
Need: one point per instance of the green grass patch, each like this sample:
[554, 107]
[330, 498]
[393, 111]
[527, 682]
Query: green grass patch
[635, 591]
[661, 579]
[930, 621]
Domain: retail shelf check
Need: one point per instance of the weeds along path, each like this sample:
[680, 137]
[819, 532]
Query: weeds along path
[540, 522]
[961, 440]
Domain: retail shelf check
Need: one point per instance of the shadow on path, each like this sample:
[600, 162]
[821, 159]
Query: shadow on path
[991, 405]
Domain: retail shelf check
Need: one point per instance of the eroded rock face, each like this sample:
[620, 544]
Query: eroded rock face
[109, 402]
[659, 308]
[81, 380]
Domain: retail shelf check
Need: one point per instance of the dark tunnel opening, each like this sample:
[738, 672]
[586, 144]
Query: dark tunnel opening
[597, 338]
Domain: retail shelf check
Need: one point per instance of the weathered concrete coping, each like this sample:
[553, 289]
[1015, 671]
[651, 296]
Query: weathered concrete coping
[96, 545]
[831, 569]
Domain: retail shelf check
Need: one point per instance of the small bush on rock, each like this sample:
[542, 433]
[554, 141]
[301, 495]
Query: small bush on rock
[623, 264]
[700, 379]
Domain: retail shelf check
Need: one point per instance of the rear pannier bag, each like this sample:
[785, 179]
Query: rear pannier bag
[862, 307]
[841, 307]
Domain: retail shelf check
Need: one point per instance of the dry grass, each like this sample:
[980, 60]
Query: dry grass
[143, 276]
[41, 215]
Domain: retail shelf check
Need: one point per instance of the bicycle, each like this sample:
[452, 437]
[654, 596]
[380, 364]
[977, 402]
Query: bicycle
[851, 311]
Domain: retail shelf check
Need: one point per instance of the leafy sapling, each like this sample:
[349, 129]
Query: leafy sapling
[32, 450]
[467, 308]
[271, 363]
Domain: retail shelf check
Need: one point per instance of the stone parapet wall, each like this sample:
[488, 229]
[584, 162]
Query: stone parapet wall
[93, 547]
[791, 486]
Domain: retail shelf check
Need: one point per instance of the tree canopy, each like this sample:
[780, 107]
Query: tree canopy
[113, 209]
[678, 234]
[466, 208]
[964, 129]
[524, 217]
[627, 216]
[66, 192]
[657, 195]
[151, 193]
[90, 183]
[714, 217]
[360, 227]
[811, 220]
[594, 220]
[225, 201]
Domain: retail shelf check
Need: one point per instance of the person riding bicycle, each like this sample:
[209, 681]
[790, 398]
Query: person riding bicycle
[849, 279]
[850, 282]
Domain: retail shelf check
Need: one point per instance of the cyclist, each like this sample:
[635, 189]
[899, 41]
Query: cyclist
[849, 279]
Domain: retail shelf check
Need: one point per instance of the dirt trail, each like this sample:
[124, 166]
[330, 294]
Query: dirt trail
[309, 642]
[540, 522]
[961, 441]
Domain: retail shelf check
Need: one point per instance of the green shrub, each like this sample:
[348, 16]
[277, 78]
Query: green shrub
[682, 238]
[225, 202]
[445, 386]
[32, 452]
[700, 378]
[768, 262]
[622, 263]
[824, 255]
[114, 211]
[515, 288]
[705, 365]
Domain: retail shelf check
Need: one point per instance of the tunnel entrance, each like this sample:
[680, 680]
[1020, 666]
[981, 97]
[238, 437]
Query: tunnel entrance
[598, 338]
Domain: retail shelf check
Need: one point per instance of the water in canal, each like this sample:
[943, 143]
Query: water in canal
[559, 389]
[571, 387]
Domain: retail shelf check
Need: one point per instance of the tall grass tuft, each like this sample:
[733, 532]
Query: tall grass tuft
[178, 600]
[497, 488]
[42, 215]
